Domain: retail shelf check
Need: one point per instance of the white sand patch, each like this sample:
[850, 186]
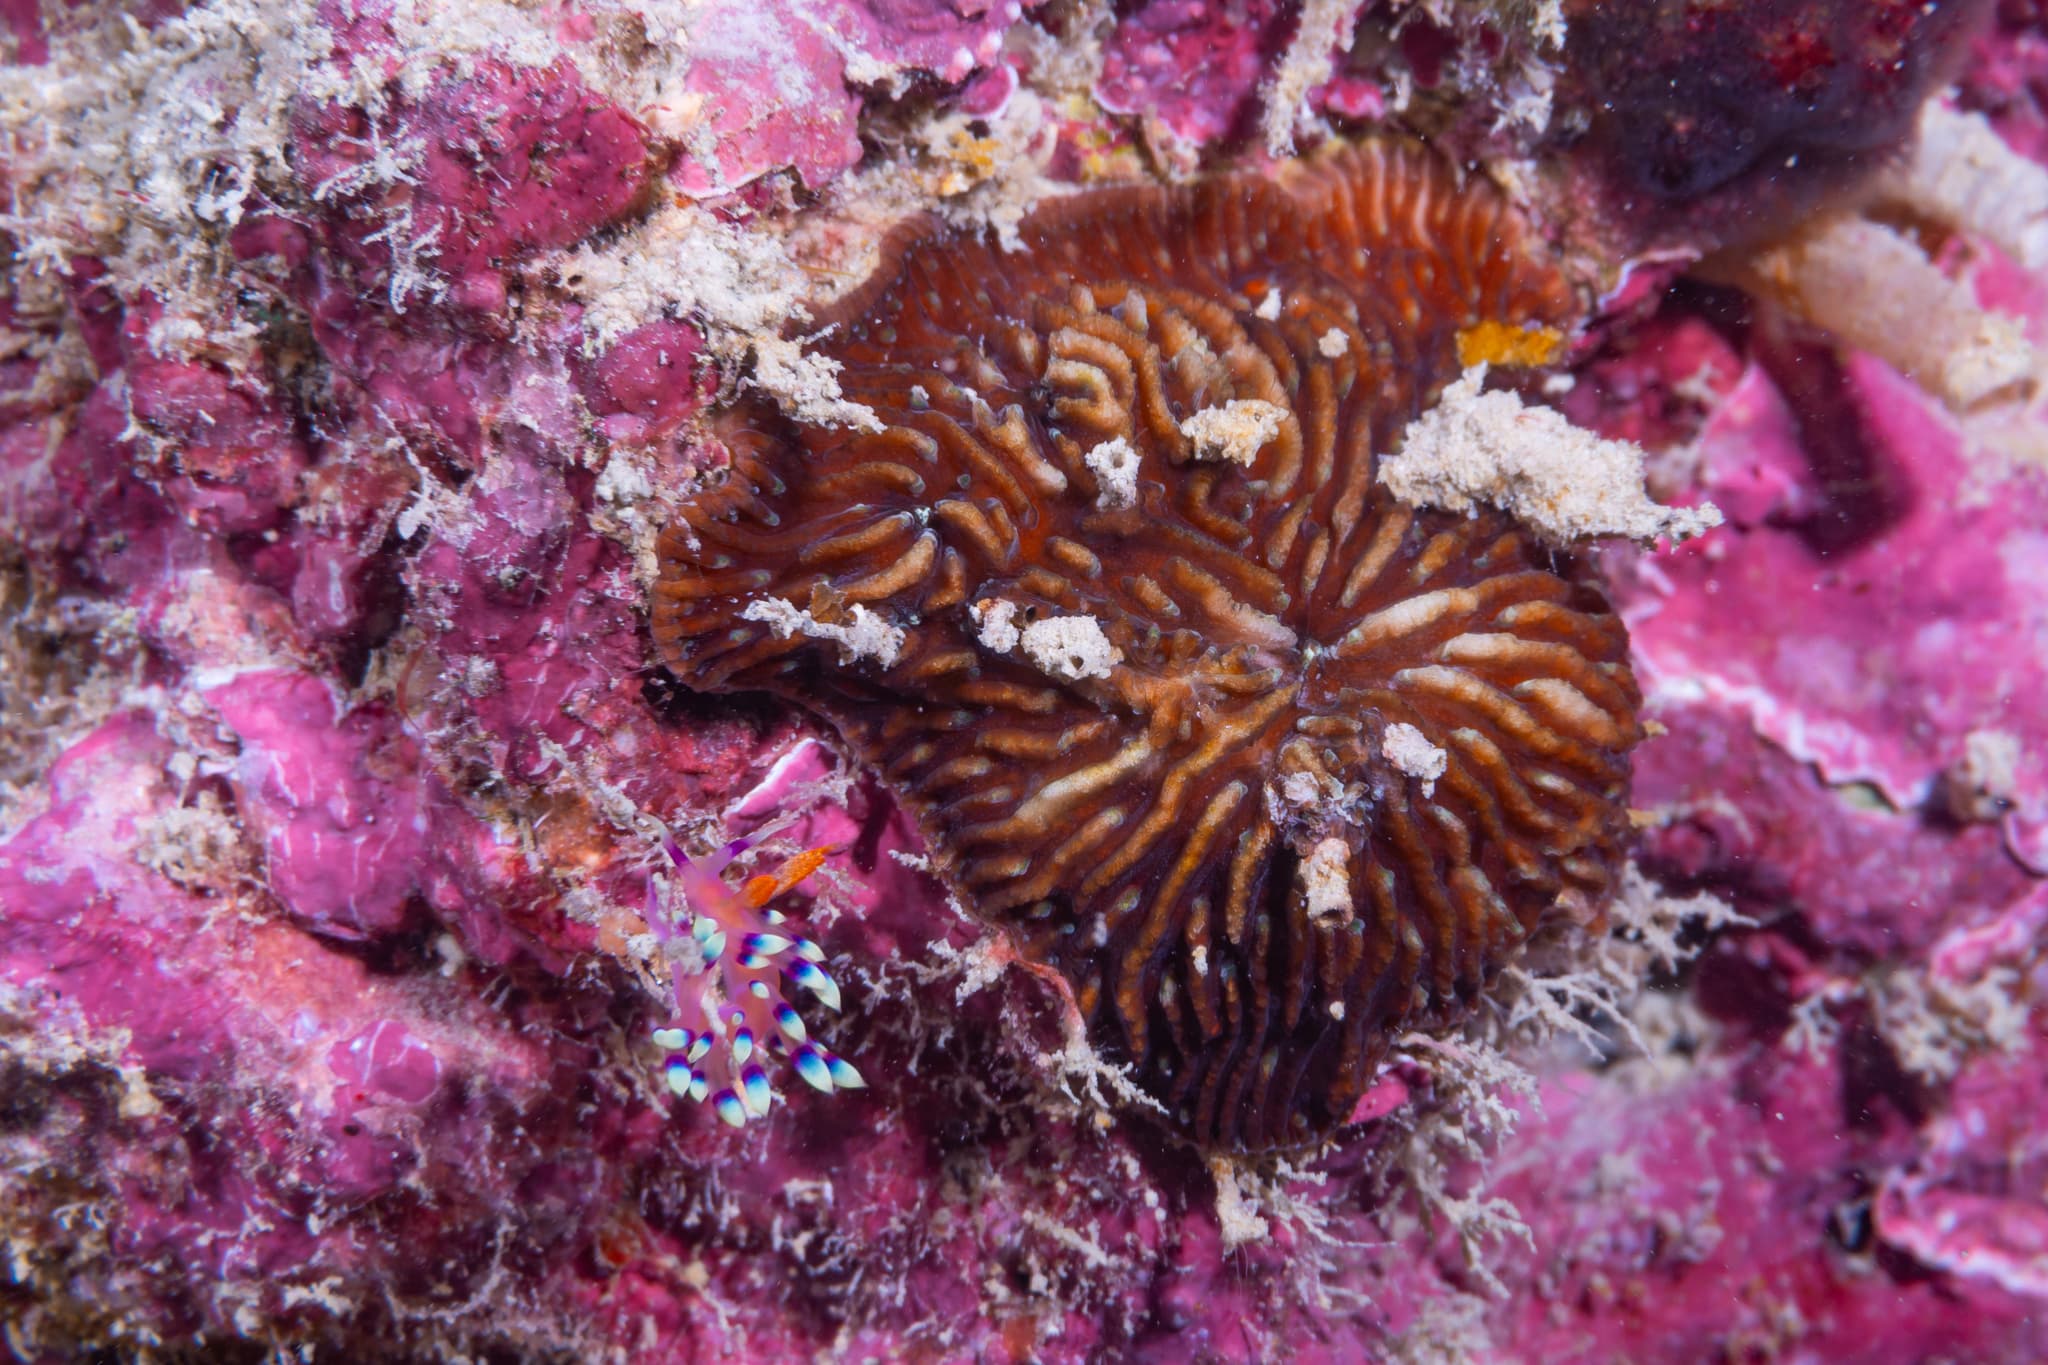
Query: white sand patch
[1564, 482]
[868, 636]
[1234, 432]
[1408, 749]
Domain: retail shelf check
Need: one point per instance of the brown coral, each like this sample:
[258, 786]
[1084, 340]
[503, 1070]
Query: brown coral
[1266, 764]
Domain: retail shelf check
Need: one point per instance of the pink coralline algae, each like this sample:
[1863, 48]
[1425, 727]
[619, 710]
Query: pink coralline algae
[521, 160]
[1902, 587]
[372, 905]
[1194, 66]
[342, 842]
[810, 59]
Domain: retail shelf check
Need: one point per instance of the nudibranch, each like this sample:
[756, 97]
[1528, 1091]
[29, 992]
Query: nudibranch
[727, 972]
[1266, 764]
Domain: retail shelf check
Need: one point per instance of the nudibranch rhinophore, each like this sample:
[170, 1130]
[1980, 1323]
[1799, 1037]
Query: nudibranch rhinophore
[1269, 766]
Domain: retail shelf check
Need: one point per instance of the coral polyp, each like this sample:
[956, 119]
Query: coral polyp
[1266, 763]
[729, 958]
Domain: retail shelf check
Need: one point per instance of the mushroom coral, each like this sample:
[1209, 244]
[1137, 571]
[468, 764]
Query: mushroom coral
[1110, 597]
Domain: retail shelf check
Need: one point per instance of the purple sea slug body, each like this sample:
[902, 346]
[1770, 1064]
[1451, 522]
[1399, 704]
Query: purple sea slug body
[728, 1021]
[1268, 765]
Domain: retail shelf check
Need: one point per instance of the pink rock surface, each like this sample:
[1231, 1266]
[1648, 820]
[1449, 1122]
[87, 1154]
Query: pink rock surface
[1898, 587]
[1955, 1210]
[1202, 73]
[329, 797]
[775, 85]
[324, 1019]
[1194, 66]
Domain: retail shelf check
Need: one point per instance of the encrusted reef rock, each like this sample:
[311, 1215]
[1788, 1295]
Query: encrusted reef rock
[407, 950]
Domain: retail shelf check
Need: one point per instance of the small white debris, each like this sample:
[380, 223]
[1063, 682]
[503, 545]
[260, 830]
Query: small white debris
[1235, 432]
[1336, 1009]
[867, 637]
[1991, 359]
[1326, 879]
[1985, 780]
[477, 675]
[1564, 482]
[623, 481]
[995, 624]
[1991, 761]
[1068, 647]
[138, 1101]
[1080, 1243]
[1332, 344]
[1237, 1217]
[807, 384]
[1071, 647]
[1408, 749]
[1116, 468]
[1269, 306]
[1315, 801]
[176, 337]
[1302, 790]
